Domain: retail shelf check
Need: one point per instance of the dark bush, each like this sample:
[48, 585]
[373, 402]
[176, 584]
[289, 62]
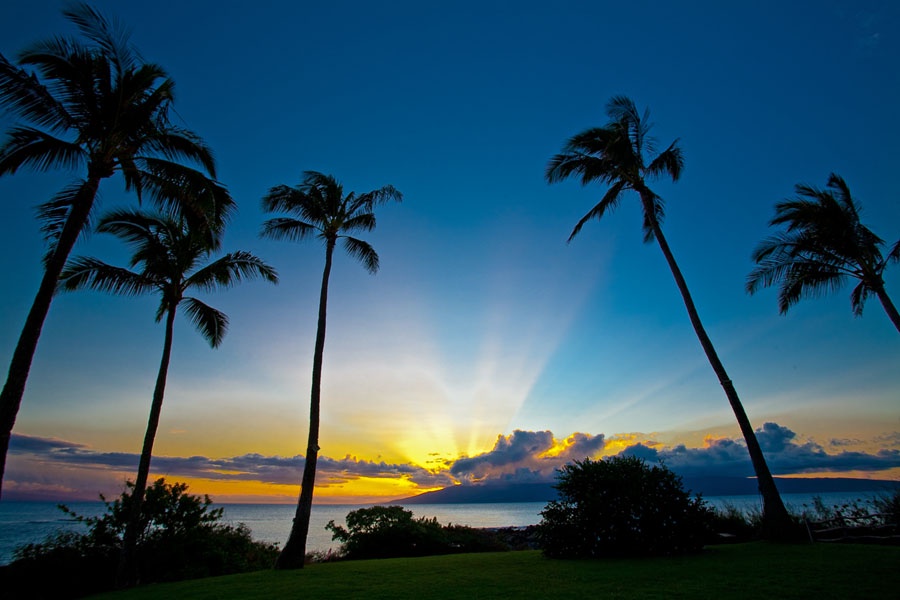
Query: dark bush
[620, 506]
[181, 538]
[391, 531]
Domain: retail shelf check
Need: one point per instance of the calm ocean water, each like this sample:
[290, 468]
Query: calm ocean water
[27, 522]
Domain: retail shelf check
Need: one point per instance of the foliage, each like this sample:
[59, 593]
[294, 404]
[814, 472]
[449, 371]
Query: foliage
[620, 506]
[732, 524]
[823, 245]
[888, 505]
[736, 525]
[391, 531]
[756, 570]
[180, 537]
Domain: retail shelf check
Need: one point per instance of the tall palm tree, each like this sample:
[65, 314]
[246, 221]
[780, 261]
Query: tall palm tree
[96, 106]
[823, 244]
[615, 154]
[318, 208]
[170, 257]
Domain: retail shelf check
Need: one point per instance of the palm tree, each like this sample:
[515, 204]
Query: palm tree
[822, 246]
[170, 257]
[615, 154]
[318, 207]
[95, 106]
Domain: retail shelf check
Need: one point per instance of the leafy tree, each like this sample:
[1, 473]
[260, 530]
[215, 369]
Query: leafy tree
[615, 154]
[620, 506]
[391, 531]
[823, 245]
[170, 256]
[180, 536]
[319, 208]
[93, 105]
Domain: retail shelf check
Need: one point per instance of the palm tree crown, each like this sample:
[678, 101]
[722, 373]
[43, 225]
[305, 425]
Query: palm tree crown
[170, 256]
[823, 244]
[319, 208]
[615, 155]
[99, 106]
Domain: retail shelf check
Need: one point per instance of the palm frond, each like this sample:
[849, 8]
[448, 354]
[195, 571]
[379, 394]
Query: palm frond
[24, 95]
[654, 213]
[838, 186]
[91, 273]
[894, 253]
[284, 198]
[362, 252]
[54, 214]
[858, 297]
[26, 146]
[589, 167]
[807, 279]
[130, 225]
[201, 201]
[286, 228]
[211, 323]
[380, 196]
[359, 222]
[179, 145]
[670, 161]
[110, 36]
[230, 270]
[608, 203]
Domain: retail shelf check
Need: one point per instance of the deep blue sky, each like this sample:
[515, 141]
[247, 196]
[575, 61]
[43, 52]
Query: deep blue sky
[482, 321]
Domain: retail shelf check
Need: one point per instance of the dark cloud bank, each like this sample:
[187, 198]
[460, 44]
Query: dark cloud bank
[523, 457]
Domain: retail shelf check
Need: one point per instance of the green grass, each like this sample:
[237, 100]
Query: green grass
[755, 570]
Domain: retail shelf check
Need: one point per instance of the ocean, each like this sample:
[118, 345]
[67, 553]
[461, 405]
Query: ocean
[29, 522]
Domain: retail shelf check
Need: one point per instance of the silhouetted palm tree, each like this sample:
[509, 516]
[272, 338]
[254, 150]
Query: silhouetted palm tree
[319, 208]
[615, 154]
[96, 106]
[823, 244]
[170, 257]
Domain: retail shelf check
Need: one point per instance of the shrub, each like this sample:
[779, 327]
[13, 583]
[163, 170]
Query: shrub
[181, 537]
[620, 506]
[888, 505]
[391, 531]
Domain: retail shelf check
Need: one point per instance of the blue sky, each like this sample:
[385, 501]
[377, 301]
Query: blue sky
[482, 321]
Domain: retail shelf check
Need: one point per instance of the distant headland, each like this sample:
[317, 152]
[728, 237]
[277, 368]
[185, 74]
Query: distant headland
[707, 486]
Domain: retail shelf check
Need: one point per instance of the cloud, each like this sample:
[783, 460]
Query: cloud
[522, 456]
[277, 470]
[527, 456]
[784, 455]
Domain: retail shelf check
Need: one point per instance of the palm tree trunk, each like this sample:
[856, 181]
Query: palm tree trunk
[294, 552]
[128, 571]
[889, 307]
[23, 355]
[776, 520]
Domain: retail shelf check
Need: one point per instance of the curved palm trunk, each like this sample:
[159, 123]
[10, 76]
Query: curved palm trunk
[294, 552]
[776, 520]
[889, 307]
[128, 572]
[23, 355]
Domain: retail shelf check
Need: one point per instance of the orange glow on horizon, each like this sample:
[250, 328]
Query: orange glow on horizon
[359, 490]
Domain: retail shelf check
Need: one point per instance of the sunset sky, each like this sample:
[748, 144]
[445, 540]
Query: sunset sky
[486, 348]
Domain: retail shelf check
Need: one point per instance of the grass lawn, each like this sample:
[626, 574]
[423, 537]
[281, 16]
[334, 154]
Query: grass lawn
[756, 570]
